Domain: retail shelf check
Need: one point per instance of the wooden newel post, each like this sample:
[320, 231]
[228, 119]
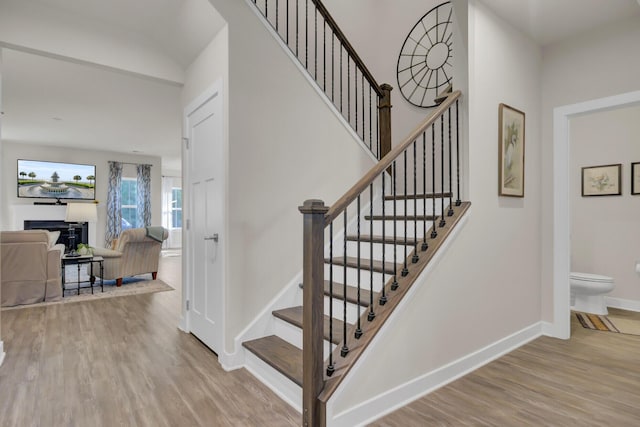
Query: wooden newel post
[384, 107]
[313, 311]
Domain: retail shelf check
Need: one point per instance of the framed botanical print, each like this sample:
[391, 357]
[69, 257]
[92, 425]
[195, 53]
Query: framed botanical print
[605, 180]
[635, 178]
[511, 151]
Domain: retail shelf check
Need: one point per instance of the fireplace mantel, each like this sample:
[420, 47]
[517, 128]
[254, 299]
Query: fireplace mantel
[22, 213]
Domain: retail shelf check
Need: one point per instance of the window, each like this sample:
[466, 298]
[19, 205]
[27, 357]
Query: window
[176, 207]
[129, 205]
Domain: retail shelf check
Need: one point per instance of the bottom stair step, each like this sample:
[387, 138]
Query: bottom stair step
[279, 354]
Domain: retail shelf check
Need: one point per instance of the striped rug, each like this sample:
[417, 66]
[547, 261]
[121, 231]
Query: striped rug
[617, 324]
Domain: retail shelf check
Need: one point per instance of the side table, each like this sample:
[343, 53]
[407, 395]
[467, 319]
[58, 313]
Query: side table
[80, 260]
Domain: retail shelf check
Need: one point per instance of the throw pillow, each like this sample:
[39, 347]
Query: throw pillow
[53, 238]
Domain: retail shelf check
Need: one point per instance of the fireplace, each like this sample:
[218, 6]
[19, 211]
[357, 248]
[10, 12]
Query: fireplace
[81, 230]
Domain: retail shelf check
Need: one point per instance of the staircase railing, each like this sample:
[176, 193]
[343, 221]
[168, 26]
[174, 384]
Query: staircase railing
[316, 40]
[422, 169]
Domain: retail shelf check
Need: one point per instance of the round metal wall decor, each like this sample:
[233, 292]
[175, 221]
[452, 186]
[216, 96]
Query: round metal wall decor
[424, 65]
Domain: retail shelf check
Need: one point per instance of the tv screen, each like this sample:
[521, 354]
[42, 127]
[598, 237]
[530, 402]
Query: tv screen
[53, 180]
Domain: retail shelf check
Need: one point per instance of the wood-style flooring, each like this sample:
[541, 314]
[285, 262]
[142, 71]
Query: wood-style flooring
[593, 379]
[123, 362]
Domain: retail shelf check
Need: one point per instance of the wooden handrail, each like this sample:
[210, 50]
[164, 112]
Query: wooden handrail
[342, 203]
[349, 48]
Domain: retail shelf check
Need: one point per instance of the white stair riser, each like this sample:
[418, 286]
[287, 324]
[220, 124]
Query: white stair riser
[293, 335]
[400, 228]
[338, 307]
[365, 251]
[352, 277]
[283, 386]
[419, 207]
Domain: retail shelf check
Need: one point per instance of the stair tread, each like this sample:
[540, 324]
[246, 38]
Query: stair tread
[402, 217]
[352, 293]
[365, 264]
[417, 196]
[399, 240]
[279, 354]
[293, 315]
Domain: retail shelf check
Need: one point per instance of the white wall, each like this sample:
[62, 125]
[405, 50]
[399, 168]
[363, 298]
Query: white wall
[487, 287]
[285, 146]
[12, 151]
[2, 202]
[605, 230]
[63, 33]
[585, 67]
[377, 33]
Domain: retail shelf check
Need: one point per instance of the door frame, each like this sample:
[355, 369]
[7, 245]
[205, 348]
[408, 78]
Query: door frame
[561, 326]
[214, 91]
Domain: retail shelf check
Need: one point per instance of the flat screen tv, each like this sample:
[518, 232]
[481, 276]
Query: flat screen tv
[51, 180]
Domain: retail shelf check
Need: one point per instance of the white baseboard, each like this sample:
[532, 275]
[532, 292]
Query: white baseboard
[404, 394]
[624, 304]
[2, 354]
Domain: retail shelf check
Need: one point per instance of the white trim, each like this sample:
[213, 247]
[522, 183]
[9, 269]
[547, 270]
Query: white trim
[378, 405]
[2, 353]
[311, 81]
[561, 326]
[621, 303]
[414, 389]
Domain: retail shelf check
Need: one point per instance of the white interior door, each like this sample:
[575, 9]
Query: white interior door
[206, 188]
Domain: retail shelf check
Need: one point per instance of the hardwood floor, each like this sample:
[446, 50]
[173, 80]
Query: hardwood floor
[593, 379]
[123, 362]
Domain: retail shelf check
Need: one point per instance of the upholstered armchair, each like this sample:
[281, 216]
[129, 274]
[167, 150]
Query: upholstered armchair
[134, 253]
[30, 267]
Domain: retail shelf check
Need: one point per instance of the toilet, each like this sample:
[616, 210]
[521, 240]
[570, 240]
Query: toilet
[588, 292]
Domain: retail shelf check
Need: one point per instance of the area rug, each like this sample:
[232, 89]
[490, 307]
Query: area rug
[143, 284]
[610, 323]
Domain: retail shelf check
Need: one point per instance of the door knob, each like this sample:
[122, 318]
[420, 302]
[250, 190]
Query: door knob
[214, 237]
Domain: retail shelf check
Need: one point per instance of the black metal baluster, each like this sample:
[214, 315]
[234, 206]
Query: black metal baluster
[277, 16]
[425, 245]
[341, 77]
[297, 28]
[442, 221]
[315, 48]
[458, 201]
[306, 35]
[287, 15]
[266, 9]
[345, 349]
[450, 212]
[383, 297]
[358, 332]
[415, 257]
[333, 67]
[370, 119]
[434, 232]
[363, 114]
[349, 89]
[331, 368]
[394, 285]
[372, 314]
[324, 57]
[355, 77]
[405, 270]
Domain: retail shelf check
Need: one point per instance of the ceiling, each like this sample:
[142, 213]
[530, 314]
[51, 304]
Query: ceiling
[69, 104]
[549, 21]
[55, 102]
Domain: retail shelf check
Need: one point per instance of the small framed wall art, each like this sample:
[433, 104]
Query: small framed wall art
[635, 178]
[511, 151]
[605, 180]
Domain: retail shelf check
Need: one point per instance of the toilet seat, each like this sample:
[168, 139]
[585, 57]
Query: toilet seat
[591, 277]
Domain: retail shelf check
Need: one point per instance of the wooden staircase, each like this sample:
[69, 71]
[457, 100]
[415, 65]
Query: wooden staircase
[286, 357]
